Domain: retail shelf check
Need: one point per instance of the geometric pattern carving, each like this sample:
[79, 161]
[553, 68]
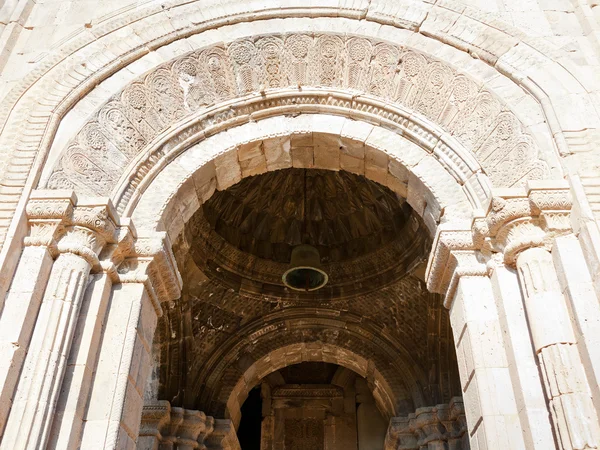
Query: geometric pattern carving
[118, 132]
[301, 434]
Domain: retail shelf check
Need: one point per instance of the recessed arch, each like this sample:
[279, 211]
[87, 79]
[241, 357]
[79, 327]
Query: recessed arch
[218, 87]
[293, 336]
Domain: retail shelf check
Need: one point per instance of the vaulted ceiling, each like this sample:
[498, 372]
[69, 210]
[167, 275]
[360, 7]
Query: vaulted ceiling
[235, 312]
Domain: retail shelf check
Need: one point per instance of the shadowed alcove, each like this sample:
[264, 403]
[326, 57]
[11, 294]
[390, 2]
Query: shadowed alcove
[237, 331]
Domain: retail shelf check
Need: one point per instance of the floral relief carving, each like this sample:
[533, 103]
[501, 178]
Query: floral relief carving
[514, 223]
[120, 130]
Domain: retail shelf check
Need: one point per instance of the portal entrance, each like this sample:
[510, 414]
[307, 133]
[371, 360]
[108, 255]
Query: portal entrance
[312, 405]
[325, 368]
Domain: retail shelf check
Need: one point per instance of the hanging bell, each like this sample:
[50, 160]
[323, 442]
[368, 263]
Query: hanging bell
[305, 272]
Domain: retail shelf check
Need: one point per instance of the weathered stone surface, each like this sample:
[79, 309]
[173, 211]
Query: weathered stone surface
[157, 105]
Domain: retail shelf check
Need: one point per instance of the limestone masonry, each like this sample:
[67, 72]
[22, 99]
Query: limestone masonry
[161, 160]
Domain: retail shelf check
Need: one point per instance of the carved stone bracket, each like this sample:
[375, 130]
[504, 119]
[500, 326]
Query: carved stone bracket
[150, 260]
[65, 224]
[445, 425]
[520, 219]
[517, 219]
[183, 428]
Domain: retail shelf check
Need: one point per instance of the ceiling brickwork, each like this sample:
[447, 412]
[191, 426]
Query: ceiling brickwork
[217, 332]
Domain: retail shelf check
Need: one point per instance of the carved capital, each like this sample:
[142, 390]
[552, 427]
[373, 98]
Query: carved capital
[154, 419]
[455, 254]
[399, 435]
[441, 425]
[186, 428]
[123, 246]
[65, 224]
[517, 219]
[150, 260]
[427, 425]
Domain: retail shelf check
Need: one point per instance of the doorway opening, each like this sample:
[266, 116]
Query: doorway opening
[250, 426]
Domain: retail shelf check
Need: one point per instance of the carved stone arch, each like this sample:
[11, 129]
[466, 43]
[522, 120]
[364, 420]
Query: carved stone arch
[392, 385]
[433, 184]
[44, 100]
[416, 92]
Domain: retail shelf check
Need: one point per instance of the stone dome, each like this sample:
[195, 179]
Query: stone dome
[367, 236]
[342, 214]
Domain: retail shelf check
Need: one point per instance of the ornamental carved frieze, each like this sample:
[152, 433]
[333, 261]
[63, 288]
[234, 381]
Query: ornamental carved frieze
[441, 426]
[352, 73]
[517, 219]
[178, 428]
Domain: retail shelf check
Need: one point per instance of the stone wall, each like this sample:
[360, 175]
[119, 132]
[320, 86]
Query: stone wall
[500, 160]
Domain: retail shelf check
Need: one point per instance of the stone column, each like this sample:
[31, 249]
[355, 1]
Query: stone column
[85, 230]
[17, 319]
[488, 393]
[527, 384]
[458, 269]
[143, 279]
[521, 226]
[568, 393]
[81, 363]
[578, 288]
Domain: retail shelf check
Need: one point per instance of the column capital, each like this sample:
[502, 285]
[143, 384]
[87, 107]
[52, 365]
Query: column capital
[150, 260]
[64, 223]
[522, 218]
[186, 428]
[455, 254]
[517, 219]
[445, 424]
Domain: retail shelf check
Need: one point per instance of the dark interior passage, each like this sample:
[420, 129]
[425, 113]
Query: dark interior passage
[250, 425]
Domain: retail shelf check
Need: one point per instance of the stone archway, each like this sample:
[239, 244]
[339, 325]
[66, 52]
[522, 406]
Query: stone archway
[450, 181]
[376, 75]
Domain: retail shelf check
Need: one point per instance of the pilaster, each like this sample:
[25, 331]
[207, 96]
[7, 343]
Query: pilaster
[74, 232]
[143, 276]
[522, 364]
[519, 232]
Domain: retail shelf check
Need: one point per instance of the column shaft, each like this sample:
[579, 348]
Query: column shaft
[578, 288]
[528, 387]
[113, 416]
[68, 421]
[573, 416]
[32, 412]
[21, 307]
[488, 394]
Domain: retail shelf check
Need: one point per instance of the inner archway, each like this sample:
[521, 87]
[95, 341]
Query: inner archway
[236, 324]
[312, 405]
